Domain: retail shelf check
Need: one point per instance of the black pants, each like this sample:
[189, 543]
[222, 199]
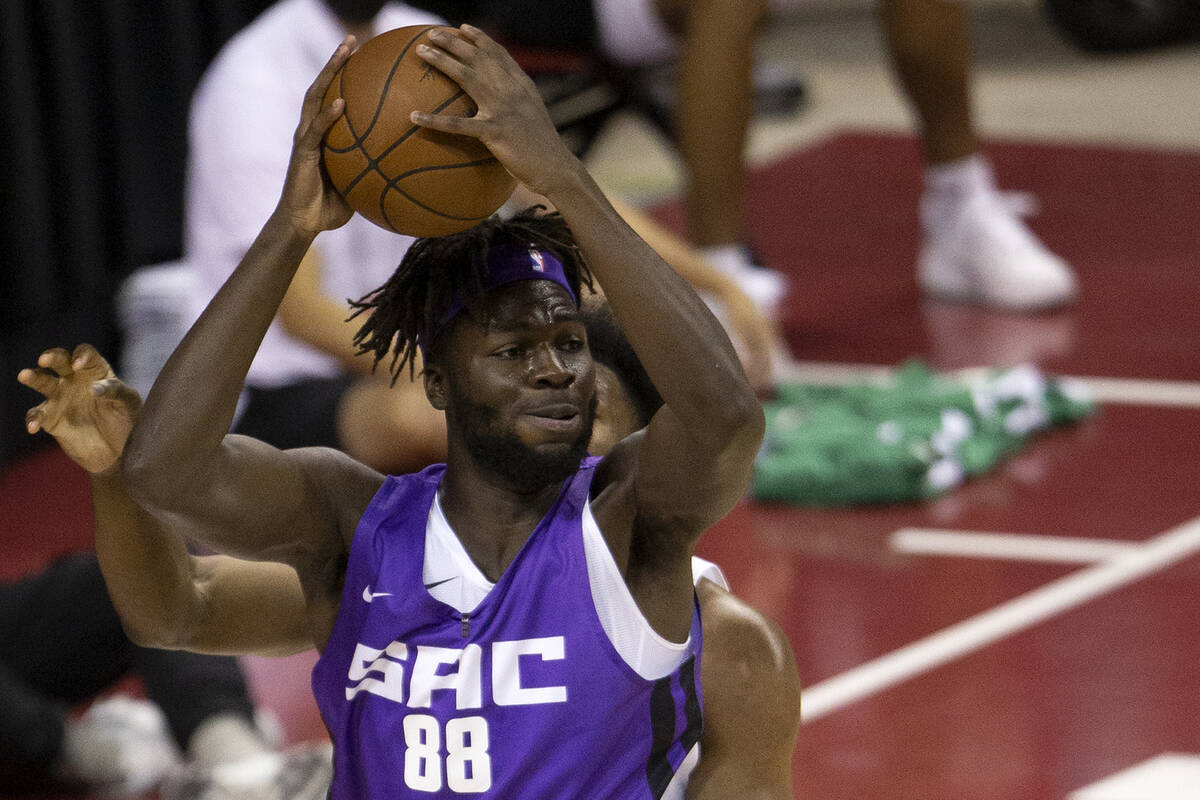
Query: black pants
[61, 643]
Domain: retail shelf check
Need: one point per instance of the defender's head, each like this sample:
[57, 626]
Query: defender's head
[495, 315]
[625, 396]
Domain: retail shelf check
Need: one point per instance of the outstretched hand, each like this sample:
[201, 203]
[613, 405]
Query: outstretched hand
[511, 119]
[309, 198]
[87, 407]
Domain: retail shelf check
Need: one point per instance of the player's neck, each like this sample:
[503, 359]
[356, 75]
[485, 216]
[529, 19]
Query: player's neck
[491, 518]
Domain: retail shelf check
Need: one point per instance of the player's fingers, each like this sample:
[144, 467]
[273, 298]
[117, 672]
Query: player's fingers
[448, 65]
[478, 38]
[494, 52]
[315, 96]
[86, 357]
[34, 417]
[323, 122]
[40, 380]
[56, 359]
[464, 126]
[117, 391]
[449, 40]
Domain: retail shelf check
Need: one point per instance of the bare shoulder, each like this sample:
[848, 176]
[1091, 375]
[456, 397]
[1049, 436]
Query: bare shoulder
[751, 702]
[341, 489]
[341, 484]
[746, 651]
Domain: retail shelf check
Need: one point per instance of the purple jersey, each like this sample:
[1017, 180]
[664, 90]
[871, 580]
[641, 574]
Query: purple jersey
[523, 697]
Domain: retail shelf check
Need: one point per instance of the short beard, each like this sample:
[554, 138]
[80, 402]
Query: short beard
[504, 454]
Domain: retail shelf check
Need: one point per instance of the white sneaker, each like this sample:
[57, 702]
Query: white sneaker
[988, 256]
[302, 772]
[120, 747]
[765, 287]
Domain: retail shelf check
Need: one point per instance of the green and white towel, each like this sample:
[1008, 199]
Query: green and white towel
[912, 438]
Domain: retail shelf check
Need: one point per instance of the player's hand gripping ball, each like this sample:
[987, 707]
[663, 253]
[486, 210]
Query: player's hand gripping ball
[401, 176]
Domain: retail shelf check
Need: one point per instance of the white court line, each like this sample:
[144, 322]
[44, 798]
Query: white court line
[1170, 776]
[1118, 391]
[1017, 546]
[1005, 619]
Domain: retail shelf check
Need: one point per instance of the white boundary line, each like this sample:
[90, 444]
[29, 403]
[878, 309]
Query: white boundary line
[1004, 620]
[1118, 391]
[1017, 546]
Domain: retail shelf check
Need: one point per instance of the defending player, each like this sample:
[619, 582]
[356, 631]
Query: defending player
[526, 693]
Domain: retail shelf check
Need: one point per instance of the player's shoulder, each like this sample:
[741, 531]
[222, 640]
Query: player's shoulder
[344, 485]
[743, 643]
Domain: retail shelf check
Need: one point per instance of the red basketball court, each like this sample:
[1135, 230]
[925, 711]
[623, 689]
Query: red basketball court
[1027, 636]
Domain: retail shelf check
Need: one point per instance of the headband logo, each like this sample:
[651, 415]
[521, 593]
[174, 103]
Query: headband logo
[539, 261]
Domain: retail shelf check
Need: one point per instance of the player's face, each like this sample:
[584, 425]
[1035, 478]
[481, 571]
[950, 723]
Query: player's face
[616, 416]
[521, 383]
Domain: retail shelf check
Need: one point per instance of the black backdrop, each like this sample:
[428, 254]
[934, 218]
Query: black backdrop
[92, 148]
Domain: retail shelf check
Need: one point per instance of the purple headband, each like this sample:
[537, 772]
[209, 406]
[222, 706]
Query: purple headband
[507, 263]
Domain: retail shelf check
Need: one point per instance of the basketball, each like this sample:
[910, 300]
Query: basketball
[403, 177]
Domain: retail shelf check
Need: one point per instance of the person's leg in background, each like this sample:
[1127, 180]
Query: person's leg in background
[61, 644]
[206, 702]
[715, 99]
[975, 247]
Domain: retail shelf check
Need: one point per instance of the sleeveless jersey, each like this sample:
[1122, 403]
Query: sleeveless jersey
[523, 697]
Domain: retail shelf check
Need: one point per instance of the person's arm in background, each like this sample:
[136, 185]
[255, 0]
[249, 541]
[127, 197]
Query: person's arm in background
[165, 596]
[751, 703]
[309, 313]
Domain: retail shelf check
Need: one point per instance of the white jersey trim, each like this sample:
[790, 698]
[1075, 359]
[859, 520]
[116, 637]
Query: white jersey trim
[678, 786]
[707, 569]
[448, 572]
[648, 654]
[456, 581]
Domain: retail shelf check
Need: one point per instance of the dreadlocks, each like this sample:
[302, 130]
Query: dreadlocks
[435, 270]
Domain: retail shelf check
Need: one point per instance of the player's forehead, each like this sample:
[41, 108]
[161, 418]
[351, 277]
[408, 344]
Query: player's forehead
[525, 304]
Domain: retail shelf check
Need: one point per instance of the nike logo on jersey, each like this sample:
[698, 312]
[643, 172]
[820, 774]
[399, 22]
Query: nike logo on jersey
[439, 583]
[369, 597]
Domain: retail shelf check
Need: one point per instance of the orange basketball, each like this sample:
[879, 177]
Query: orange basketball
[401, 176]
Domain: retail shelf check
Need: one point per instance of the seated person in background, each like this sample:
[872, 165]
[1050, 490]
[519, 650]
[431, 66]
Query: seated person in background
[170, 598]
[308, 386]
[62, 644]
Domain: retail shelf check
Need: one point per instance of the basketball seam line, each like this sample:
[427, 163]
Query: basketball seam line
[373, 161]
[391, 186]
[382, 95]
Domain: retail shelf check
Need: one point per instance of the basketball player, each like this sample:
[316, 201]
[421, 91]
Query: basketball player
[307, 385]
[168, 598]
[559, 659]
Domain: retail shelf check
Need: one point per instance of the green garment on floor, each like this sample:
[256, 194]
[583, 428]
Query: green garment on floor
[910, 439]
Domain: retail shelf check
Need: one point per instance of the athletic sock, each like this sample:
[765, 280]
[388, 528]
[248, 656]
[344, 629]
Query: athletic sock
[948, 187]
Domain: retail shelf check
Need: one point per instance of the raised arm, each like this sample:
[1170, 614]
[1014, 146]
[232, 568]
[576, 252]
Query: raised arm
[233, 493]
[759, 338]
[165, 596]
[697, 454]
